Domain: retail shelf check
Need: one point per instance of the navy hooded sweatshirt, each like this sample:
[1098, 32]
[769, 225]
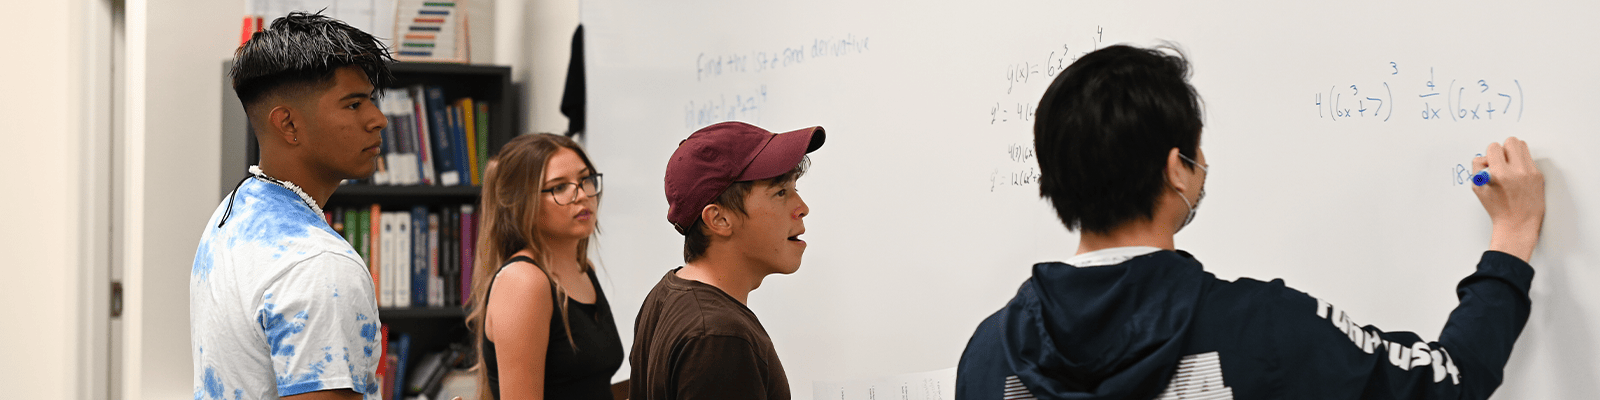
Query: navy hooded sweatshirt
[1159, 326]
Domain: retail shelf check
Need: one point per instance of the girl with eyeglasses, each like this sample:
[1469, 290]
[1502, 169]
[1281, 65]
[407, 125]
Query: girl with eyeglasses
[543, 327]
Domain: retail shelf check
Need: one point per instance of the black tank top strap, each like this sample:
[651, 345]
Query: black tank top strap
[503, 266]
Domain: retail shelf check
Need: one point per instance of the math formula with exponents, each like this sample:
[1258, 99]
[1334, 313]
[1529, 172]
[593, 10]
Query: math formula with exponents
[1022, 170]
[1427, 94]
[1011, 113]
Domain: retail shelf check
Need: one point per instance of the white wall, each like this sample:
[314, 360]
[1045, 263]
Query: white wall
[175, 48]
[535, 39]
[39, 236]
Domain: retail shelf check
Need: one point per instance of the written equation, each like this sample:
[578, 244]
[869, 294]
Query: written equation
[1461, 174]
[709, 66]
[742, 106]
[1423, 97]
[1022, 169]
[1012, 111]
[1035, 74]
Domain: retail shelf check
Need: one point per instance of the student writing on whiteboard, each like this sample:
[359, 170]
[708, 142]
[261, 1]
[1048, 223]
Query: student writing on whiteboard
[731, 193]
[1118, 139]
[279, 304]
[543, 327]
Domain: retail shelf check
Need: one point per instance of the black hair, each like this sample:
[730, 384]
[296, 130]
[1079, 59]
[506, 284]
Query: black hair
[302, 51]
[1104, 129]
[695, 239]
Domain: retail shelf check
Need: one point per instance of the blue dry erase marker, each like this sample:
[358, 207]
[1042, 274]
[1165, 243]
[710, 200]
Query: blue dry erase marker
[1481, 178]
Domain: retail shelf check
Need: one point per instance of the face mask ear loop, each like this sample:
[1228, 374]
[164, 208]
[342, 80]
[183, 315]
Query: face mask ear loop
[1190, 206]
[229, 211]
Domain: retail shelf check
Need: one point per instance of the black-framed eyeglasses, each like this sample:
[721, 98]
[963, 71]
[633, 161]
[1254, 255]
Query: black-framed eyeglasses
[569, 191]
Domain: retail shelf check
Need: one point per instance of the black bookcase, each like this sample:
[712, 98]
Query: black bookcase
[431, 329]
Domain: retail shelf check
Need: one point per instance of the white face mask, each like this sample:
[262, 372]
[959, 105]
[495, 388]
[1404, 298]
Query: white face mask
[1195, 207]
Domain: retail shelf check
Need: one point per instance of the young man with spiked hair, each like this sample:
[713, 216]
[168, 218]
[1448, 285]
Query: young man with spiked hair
[280, 306]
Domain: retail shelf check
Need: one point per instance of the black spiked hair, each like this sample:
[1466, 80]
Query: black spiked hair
[301, 51]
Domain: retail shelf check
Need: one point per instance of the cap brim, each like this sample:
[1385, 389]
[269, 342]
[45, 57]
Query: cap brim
[783, 153]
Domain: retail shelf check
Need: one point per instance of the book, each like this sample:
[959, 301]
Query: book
[403, 260]
[459, 139]
[443, 151]
[483, 138]
[392, 165]
[471, 128]
[386, 150]
[406, 136]
[385, 367]
[451, 260]
[370, 223]
[387, 296]
[350, 219]
[435, 284]
[362, 234]
[468, 236]
[418, 250]
[403, 352]
[425, 150]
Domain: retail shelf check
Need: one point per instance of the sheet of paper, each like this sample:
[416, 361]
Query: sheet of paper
[931, 385]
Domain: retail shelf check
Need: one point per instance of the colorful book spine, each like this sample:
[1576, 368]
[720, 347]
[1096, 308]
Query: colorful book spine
[444, 152]
[468, 236]
[483, 138]
[425, 147]
[419, 256]
[435, 286]
[403, 262]
[385, 369]
[362, 237]
[470, 123]
[387, 296]
[403, 349]
[459, 130]
[451, 262]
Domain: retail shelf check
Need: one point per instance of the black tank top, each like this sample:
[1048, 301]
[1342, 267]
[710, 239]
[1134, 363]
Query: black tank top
[568, 374]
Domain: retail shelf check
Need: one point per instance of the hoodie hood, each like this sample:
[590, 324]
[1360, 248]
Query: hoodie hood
[1106, 332]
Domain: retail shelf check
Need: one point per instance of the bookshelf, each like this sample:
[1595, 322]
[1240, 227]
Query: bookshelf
[431, 329]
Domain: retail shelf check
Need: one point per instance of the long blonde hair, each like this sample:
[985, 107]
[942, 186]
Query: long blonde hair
[508, 224]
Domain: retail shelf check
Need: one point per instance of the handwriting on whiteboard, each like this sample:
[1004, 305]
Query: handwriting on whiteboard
[1427, 98]
[1022, 170]
[1024, 74]
[710, 66]
[741, 106]
[1460, 175]
[1012, 112]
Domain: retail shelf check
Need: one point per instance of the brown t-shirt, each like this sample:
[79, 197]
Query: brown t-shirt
[692, 341]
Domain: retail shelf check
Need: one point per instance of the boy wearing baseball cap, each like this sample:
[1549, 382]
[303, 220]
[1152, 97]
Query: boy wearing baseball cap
[731, 193]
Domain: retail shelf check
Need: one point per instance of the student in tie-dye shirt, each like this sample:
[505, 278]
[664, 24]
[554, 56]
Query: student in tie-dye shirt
[279, 304]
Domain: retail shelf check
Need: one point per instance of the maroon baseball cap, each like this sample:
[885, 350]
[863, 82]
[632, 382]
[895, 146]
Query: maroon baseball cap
[719, 155]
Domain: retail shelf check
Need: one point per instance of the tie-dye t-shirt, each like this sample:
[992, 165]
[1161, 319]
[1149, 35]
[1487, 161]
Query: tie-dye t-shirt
[279, 304]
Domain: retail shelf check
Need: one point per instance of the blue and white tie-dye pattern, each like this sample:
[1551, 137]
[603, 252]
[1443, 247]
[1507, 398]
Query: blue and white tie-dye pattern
[279, 304]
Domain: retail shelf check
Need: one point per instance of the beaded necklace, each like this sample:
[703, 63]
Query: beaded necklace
[255, 171]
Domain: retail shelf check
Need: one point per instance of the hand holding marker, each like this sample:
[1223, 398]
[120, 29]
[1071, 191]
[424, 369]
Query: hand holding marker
[1481, 178]
[1515, 202]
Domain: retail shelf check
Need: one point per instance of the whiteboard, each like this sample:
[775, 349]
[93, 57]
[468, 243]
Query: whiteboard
[1334, 164]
